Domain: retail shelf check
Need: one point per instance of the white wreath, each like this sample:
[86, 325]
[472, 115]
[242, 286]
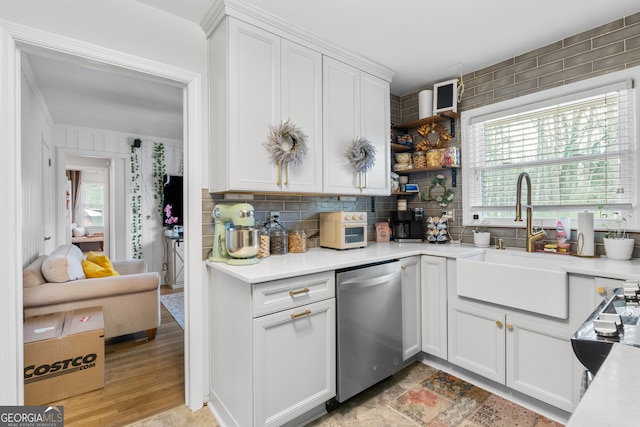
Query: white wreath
[286, 144]
[361, 154]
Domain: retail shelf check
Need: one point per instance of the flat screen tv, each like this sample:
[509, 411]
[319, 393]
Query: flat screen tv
[172, 201]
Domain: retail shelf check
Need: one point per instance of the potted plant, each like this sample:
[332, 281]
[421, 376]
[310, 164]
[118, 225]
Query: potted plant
[481, 235]
[617, 245]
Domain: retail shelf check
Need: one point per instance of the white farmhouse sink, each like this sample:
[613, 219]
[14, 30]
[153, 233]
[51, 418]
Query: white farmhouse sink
[533, 282]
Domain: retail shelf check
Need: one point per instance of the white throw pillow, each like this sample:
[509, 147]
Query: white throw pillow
[79, 232]
[63, 265]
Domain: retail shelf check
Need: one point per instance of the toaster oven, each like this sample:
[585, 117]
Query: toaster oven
[343, 230]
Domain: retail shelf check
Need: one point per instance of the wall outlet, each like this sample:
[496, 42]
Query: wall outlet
[451, 213]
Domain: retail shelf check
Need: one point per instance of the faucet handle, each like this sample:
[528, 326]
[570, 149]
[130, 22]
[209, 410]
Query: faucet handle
[538, 230]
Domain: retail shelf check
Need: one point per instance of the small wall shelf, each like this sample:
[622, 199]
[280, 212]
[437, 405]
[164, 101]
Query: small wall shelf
[418, 170]
[448, 115]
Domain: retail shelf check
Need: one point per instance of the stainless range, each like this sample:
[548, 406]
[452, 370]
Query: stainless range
[615, 320]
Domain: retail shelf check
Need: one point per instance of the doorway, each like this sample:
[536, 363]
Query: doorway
[18, 39]
[88, 211]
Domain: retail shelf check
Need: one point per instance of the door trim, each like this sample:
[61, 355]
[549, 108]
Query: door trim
[14, 38]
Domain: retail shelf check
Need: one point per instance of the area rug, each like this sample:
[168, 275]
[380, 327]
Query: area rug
[174, 303]
[443, 400]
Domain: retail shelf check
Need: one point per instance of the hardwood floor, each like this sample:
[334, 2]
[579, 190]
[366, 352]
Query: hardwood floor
[142, 378]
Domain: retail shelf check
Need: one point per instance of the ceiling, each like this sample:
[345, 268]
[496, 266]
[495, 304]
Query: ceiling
[425, 42]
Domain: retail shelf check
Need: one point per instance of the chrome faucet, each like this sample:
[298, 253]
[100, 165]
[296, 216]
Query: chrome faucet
[532, 236]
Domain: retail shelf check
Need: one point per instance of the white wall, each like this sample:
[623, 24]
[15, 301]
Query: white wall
[125, 26]
[35, 128]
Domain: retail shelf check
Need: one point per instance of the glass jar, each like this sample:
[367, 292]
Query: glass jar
[278, 241]
[420, 159]
[433, 158]
[265, 243]
[297, 241]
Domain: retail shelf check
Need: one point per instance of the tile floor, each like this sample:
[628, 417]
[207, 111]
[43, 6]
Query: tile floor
[368, 409]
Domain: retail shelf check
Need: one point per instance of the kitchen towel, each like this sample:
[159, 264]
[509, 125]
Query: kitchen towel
[425, 103]
[585, 234]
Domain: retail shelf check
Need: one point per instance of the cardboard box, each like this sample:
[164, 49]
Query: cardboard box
[63, 355]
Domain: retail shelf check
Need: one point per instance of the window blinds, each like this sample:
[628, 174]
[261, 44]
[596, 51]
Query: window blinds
[578, 153]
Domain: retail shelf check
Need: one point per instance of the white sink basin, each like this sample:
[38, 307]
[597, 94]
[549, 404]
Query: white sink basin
[533, 282]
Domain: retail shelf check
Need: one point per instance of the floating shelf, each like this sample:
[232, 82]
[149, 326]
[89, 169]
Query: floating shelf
[430, 169]
[400, 147]
[448, 115]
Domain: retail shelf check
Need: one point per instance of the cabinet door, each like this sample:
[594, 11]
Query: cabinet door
[476, 340]
[541, 362]
[375, 126]
[294, 362]
[411, 318]
[254, 105]
[433, 271]
[355, 104]
[301, 83]
[341, 125]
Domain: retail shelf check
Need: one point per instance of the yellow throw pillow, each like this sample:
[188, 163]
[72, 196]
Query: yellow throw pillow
[96, 265]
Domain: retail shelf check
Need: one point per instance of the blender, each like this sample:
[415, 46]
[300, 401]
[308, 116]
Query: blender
[236, 240]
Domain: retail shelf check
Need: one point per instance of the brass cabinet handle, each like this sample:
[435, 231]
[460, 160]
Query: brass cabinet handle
[509, 327]
[601, 290]
[301, 291]
[404, 267]
[286, 182]
[498, 324]
[279, 175]
[304, 313]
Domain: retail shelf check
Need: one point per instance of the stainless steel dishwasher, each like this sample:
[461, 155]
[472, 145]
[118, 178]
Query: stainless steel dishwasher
[369, 323]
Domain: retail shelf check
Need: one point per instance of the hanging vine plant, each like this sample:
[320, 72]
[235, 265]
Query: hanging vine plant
[136, 205]
[159, 170]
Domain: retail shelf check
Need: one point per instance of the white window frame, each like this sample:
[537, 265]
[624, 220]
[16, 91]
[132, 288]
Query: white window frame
[468, 117]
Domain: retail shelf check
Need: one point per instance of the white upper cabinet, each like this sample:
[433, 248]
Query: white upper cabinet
[355, 104]
[259, 80]
[263, 72]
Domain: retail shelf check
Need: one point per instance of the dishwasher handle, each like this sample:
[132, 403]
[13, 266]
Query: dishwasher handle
[356, 283]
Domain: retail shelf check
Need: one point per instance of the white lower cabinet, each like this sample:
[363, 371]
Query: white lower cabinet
[433, 272]
[528, 355]
[541, 362]
[294, 362]
[411, 310]
[272, 355]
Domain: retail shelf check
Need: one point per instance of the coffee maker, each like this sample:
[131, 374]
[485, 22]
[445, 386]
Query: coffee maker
[408, 226]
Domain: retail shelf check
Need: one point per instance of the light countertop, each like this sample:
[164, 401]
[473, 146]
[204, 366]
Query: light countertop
[319, 259]
[612, 397]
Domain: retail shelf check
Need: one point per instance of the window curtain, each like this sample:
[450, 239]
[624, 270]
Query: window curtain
[76, 178]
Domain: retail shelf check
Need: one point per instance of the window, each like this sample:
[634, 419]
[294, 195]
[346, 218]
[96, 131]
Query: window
[579, 150]
[92, 200]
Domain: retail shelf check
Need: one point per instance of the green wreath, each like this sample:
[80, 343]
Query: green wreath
[442, 199]
[286, 144]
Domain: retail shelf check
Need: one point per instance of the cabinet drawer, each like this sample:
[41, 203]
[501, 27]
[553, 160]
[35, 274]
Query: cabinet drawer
[270, 297]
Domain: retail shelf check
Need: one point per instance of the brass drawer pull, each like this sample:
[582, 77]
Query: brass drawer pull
[509, 327]
[304, 313]
[301, 291]
[498, 324]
